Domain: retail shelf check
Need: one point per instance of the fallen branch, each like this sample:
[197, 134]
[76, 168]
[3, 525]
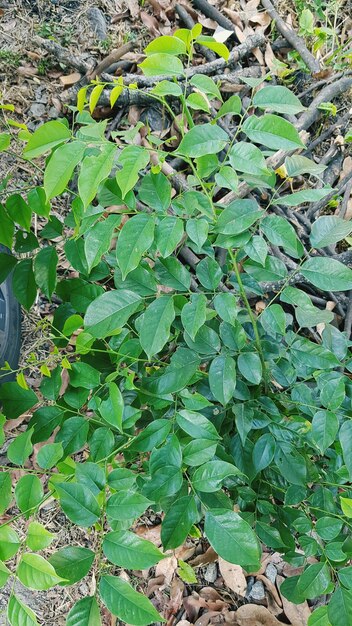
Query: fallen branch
[317, 206]
[113, 57]
[295, 40]
[327, 94]
[210, 11]
[80, 62]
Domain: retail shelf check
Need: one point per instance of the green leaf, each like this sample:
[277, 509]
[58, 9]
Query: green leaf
[5, 491]
[186, 572]
[197, 452]
[208, 477]
[314, 581]
[111, 409]
[209, 273]
[156, 323]
[325, 425]
[161, 64]
[291, 464]
[127, 550]
[133, 159]
[297, 165]
[232, 538]
[193, 314]
[4, 574]
[127, 604]
[136, 237]
[45, 138]
[178, 521]
[306, 195]
[216, 46]
[328, 528]
[59, 170]
[172, 273]
[19, 211]
[225, 305]
[206, 85]
[263, 452]
[167, 45]
[23, 283]
[227, 178]
[155, 190]
[45, 264]
[38, 537]
[250, 366]
[110, 311]
[222, 378]
[244, 157]
[238, 216]
[9, 543]
[7, 229]
[327, 274]
[169, 233]
[232, 106]
[312, 355]
[72, 563]
[319, 617]
[329, 229]
[203, 139]
[19, 614]
[196, 425]
[273, 320]
[151, 436]
[21, 448]
[197, 231]
[49, 455]
[281, 233]
[278, 99]
[121, 478]
[98, 239]
[73, 434]
[345, 436]
[198, 102]
[340, 607]
[15, 400]
[78, 503]
[28, 493]
[126, 505]
[273, 132]
[5, 140]
[346, 506]
[7, 263]
[94, 169]
[37, 573]
[85, 612]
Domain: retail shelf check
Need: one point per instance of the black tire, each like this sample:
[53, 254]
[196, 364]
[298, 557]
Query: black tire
[10, 327]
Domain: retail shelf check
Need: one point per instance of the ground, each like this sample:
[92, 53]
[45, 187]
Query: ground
[33, 81]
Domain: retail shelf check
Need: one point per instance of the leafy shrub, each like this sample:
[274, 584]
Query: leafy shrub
[231, 423]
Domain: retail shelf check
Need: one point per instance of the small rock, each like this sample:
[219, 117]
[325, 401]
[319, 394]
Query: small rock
[257, 591]
[37, 110]
[211, 573]
[271, 572]
[41, 96]
[53, 113]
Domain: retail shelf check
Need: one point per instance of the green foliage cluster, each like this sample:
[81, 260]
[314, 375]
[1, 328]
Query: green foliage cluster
[229, 423]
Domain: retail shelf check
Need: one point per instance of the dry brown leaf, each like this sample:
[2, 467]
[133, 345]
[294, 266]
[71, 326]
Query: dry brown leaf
[209, 594]
[209, 556]
[153, 585]
[269, 57]
[271, 588]
[298, 614]
[193, 604]
[176, 594]
[233, 576]
[150, 22]
[151, 533]
[167, 568]
[184, 622]
[207, 618]
[255, 615]
[70, 79]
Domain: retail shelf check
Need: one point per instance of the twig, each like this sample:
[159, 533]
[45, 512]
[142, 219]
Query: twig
[292, 37]
[348, 318]
[317, 206]
[342, 121]
[346, 197]
[327, 94]
[214, 14]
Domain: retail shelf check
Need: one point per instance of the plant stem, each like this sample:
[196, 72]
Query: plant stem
[252, 318]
